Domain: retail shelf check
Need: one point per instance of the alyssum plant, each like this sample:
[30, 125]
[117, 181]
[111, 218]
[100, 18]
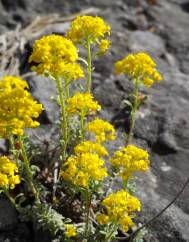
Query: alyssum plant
[82, 173]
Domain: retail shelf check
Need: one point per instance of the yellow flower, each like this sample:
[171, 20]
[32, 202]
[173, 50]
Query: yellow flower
[82, 179]
[71, 169]
[120, 207]
[72, 72]
[17, 107]
[104, 45]
[4, 181]
[82, 103]
[90, 147]
[102, 130]
[129, 160]
[126, 223]
[13, 180]
[139, 66]
[56, 55]
[12, 82]
[102, 219]
[84, 168]
[70, 231]
[88, 28]
[8, 173]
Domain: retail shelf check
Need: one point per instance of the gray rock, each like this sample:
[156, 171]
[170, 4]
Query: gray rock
[44, 90]
[3, 146]
[172, 226]
[144, 41]
[112, 99]
[171, 22]
[19, 233]
[8, 215]
[45, 136]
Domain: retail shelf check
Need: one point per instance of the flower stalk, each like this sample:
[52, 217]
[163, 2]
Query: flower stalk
[15, 151]
[89, 66]
[82, 124]
[11, 199]
[133, 111]
[110, 234]
[87, 218]
[29, 175]
[64, 123]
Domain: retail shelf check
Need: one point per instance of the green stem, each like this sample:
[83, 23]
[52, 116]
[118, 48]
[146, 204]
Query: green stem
[67, 87]
[6, 192]
[11, 140]
[82, 124]
[125, 184]
[111, 182]
[109, 236]
[28, 171]
[63, 95]
[88, 204]
[14, 151]
[133, 112]
[64, 123]
[89, 66]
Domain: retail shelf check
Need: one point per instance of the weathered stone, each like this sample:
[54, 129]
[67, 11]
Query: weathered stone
[172, 226]
[172, 23]
[146, 41]
[8, 214]
[44, 90]
[19, 233]
[3, 146]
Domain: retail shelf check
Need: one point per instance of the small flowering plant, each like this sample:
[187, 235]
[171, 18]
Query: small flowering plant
[84, 167]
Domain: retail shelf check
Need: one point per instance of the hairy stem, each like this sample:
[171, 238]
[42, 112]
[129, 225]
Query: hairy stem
[109, 236]
[63, 96]
[6, 192]
[29, 175]
[133, 112]
[88, 204]
[89, 66]
[64, 123]
[67, 88]
[14, 150]
[82, 124]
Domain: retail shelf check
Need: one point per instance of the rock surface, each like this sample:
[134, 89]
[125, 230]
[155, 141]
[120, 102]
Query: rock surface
[8, 215]
[160, 28]
[3, 147]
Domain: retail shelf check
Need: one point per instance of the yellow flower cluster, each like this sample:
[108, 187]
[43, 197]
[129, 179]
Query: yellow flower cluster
[139, 66]
[17, 107]
[70, 230]
[102, 219]
[90, 147]
[82, 103]
[120, 207]
[102, 130]
[130, 159]
[12, 82]
[88, 28]
[8, 173]
[104, 45]
[71, 71]
[56, 55]
[86, 166]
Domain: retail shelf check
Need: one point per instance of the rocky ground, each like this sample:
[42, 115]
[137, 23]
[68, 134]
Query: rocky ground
[160, 28]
